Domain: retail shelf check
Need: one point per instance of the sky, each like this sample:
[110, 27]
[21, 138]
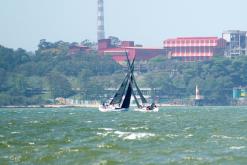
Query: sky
[23, 23]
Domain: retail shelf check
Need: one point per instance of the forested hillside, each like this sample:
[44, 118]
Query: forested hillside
[50, 72]
[215, 78]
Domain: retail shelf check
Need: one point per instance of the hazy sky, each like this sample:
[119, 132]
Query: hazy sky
[24, 22]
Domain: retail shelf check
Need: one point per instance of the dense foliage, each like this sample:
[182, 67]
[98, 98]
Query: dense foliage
[50, 73]
[39, 78]
[215, 78]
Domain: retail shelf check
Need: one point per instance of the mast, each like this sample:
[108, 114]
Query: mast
[117, 99]
[137, 88]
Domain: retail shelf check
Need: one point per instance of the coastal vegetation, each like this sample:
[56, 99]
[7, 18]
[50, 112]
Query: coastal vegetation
[50, 72]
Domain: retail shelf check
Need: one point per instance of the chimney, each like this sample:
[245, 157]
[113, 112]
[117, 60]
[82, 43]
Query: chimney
[100, 20]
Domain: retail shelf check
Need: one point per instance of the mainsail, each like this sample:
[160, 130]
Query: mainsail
[119, 94]
[126, 101]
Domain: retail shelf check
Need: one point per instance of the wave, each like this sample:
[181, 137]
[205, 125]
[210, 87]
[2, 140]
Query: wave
[125, 135]
[106, 129]
[237, 147]
[228, 137]
[136, 128]
[188, 136]
[172, 136]
[15, 132]
[133, 135]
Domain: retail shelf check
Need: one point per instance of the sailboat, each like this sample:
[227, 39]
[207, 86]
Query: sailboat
[121, 99]
[144, 106]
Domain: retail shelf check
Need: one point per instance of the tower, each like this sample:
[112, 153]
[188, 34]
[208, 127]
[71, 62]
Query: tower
[100, 20]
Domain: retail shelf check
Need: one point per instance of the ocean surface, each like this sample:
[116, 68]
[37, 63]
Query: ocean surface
[175, 135]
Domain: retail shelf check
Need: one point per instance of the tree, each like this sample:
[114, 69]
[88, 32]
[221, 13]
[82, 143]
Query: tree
[59, 85]
[88, 43]
[115, 41]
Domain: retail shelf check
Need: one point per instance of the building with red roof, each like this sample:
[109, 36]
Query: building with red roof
[118, 52]
[195, 48]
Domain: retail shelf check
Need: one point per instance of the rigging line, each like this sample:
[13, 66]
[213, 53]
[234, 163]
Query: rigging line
[122, 89]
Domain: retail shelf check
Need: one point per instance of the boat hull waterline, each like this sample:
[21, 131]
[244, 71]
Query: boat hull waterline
[111, 109]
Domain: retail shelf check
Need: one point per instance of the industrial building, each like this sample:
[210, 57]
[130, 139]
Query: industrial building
[194, 48]
[236, 42]
[117, 53]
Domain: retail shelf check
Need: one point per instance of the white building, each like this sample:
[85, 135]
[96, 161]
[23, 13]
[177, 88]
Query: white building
[236, 42]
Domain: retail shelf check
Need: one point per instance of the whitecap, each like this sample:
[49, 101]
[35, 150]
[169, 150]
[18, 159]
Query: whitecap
[133, 135]
[103, 134]
[5, 157]
[228, 137]
[106, 132]
[89, 121]
[106, 129]
[34, 122]
[74, 150]
[100, 145]
[120, 134]
[241, 138]
[15, 132]
[64, 150]
[237, 147]
[71, 113]
[31, 143]
[221, 136]
[103, 146]
[136, 128]
[172, 135]
[1, 136]
[188, 136]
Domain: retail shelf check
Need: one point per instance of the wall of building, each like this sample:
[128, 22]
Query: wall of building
[119, 53]
[194, 48]
[236, 42]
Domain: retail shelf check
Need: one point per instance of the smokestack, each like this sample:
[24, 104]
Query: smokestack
[100, 21]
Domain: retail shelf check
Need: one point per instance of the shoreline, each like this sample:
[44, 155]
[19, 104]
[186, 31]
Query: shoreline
[76, 106]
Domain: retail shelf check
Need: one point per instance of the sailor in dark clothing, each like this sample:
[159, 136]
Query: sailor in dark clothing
[152, 106]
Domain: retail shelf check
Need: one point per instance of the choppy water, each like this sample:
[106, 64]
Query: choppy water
[185, 135]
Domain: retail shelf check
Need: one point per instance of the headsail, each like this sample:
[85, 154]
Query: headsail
[119, 94]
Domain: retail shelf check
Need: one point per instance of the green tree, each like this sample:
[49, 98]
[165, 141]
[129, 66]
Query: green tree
[59, 85]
